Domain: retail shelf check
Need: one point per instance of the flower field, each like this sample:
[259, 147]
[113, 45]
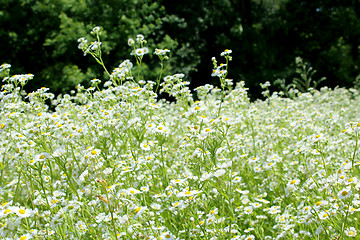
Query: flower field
[118, 162]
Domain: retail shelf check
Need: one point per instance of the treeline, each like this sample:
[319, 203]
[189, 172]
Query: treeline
[266, 36]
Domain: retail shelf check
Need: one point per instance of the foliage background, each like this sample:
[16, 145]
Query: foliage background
[40, 37]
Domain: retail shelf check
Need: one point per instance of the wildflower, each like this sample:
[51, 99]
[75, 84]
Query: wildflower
[139, 38]
[319, 204]
[132, 191]
[294, 182]
[2, 127]
[323, 215]
[226, 52]
[92, 152]
[249, 237]
[22, 212]
[95, 30]
[248, 210]
[25, 237]
[219, 173]
[140, 52]
[249, 230]
[144, 188]
[4, 66]
[351, 180]
[237, 179]
[95, 81]
[40, 157]
[351, 232]
[188, 193]
[5, 212]
[218, 72]
[167, 236]
[345, 193]
[139, 211]
[81, 226]
[94, 45]
[256, 205]
[131, 42]
[145, 146]
[161, 52]
[155, 206]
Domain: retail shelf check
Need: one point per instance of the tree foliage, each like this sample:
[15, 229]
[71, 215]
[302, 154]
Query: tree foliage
[265, 35]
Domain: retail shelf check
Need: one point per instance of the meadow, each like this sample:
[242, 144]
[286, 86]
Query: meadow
[115, 161]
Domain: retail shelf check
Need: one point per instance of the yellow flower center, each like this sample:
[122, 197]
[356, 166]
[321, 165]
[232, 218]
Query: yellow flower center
[137, 210]
[22, 211]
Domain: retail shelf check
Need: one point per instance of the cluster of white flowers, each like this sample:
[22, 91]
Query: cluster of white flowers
[119, 163]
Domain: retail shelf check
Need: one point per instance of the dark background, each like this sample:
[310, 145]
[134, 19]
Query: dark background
[40, 37]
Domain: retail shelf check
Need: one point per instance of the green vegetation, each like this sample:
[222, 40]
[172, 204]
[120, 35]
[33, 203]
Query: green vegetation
[116, 161]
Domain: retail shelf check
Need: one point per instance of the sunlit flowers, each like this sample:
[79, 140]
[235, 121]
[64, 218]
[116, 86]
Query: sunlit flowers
[351, 232]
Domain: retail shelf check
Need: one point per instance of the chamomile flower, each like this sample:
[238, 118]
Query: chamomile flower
[161, 52]
[131, 42]
[351, 232]
[344, 193]
[167, 236]
[226, 52]
[23, 212]
[25, 237]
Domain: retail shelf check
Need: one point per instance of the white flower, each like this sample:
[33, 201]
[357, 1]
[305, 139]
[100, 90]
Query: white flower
[25, 237]
[4, 66]
[161, 51]
[131, 42]
[95, 30]
[140, 51]
[351, 232]
[323, 215]
[248, 209]
[139, 38]
[82, 43]
[95, 45]
[22, 212]
[138, 211]
[167, 236]
[188, 193]
[226, 52]
[145, 146]
[95, 81]
[345, 193]
[219, 173]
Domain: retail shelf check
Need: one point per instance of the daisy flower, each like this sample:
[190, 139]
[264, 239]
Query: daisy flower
[351, 232]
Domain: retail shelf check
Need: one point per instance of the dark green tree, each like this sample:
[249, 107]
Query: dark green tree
[41, 37]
